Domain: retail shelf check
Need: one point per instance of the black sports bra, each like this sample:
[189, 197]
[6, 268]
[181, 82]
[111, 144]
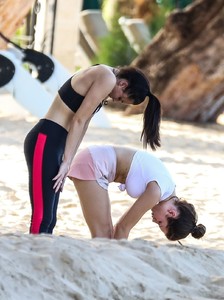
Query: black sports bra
[71, 98]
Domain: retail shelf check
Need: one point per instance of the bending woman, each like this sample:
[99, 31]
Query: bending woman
[145, 178]
[52, 143]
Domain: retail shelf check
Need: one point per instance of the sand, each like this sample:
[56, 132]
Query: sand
[71, 265]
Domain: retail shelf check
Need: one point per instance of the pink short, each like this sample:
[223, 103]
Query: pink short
[95, 163]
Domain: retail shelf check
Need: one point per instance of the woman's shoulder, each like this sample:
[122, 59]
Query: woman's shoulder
[94, 72]
[102, 68]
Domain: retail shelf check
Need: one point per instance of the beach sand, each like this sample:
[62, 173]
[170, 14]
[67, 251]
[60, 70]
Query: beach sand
[71, 265]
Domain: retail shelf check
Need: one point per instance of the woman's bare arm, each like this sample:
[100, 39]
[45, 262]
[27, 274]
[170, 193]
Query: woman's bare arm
[101, 87]
[130, 218]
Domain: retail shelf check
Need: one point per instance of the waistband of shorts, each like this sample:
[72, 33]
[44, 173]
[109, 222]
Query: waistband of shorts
[47, 126]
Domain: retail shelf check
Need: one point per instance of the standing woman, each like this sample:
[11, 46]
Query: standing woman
[52, 143]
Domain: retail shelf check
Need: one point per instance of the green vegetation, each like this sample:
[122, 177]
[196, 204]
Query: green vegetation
[115, 49]
[164, 7]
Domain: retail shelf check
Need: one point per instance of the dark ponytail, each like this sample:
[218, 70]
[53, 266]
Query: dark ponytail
[138, 89]
[151, 123]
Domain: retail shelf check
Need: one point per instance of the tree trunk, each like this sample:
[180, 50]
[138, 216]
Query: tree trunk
[185, 63]
[12, 14]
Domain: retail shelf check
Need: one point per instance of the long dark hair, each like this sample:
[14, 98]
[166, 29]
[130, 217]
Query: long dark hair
[185, 224]
[151, 123]
[138, 89]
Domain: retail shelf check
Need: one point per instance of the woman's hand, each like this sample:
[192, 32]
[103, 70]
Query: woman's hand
[60, 177]
[120, 232]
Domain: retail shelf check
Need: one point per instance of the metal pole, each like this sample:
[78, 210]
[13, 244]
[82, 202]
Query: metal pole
[53, 26]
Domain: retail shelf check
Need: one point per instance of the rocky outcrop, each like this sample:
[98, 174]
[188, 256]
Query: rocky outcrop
[185, 63]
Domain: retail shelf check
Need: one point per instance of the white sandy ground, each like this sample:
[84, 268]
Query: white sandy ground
[70, 265]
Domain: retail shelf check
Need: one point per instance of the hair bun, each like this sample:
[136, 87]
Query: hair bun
[198, 231]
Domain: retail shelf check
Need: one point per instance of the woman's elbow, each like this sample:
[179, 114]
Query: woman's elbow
[79, 122]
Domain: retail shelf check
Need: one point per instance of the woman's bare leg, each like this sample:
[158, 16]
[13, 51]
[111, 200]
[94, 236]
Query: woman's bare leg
[96, 209]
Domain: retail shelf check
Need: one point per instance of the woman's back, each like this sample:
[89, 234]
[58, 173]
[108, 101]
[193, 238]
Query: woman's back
[124, 158]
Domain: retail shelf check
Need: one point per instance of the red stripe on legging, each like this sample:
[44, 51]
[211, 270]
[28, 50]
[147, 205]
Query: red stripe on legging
[37, 184]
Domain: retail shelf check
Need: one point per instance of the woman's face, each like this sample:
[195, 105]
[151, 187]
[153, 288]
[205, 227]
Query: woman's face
[118, 93]
[162, 211]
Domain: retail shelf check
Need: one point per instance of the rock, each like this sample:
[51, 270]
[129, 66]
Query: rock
[185, 63]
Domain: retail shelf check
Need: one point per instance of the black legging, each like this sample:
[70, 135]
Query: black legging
[44, 147]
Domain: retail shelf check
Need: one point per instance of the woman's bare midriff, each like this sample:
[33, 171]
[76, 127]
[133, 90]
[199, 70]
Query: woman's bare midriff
[60, 113]
[124, 159]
